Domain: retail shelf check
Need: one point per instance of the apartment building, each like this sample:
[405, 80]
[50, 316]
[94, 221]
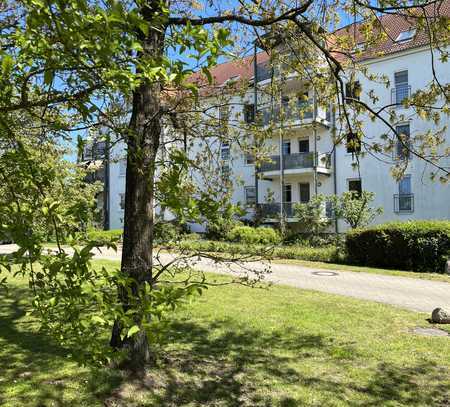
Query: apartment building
[304, 161]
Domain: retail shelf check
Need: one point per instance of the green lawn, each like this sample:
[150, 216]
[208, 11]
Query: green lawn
[237, 346]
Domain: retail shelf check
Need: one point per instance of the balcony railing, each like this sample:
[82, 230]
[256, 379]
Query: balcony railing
[403, 203]
[400, 93]
[296, 161]
[273, 210]
[275, 114]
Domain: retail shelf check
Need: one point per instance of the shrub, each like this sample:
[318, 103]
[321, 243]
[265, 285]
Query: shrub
[414, 245]
[312, 215]
[219, 228]
[166, 231]
[355, 208]
[105, 235]
[249, 235]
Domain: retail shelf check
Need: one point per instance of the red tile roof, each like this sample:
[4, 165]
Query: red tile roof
[240, 69]
[393, 25]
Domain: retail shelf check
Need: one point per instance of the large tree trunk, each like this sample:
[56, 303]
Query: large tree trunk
[143, 142]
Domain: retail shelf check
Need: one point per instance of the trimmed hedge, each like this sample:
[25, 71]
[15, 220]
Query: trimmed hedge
[414, 245]
[105, 235]
[328, 254]
[247, 234]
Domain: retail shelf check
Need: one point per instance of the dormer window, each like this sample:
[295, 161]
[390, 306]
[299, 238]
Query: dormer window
[232, 80]
[360, 46]
[406, 36]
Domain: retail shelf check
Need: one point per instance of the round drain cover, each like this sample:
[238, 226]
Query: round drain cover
[325, 273]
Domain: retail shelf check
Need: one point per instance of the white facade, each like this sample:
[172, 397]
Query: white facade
[313, 166]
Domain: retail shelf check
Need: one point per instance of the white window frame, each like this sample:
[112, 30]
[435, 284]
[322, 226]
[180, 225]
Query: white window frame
[123, 167]
[122, 201]
[253, 200]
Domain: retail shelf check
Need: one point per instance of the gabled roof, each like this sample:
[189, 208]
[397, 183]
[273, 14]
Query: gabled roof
[239, 69]
[392, 25]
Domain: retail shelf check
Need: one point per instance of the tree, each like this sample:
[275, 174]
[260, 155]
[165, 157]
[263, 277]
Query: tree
[312, 215]
[355, 208]
[77, 61]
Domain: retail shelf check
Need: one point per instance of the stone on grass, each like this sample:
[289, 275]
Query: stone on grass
[440, 316]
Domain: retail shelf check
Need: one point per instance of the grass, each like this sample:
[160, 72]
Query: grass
[237, 346]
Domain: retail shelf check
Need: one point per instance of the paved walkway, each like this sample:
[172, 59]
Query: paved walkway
[405, 292]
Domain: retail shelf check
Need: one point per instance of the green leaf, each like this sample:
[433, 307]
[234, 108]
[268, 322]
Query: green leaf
[48, 76]
[133, 330]
[7, 64]
[98, 319]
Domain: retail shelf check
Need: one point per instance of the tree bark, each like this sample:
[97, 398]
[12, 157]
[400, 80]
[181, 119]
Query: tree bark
[142, 148]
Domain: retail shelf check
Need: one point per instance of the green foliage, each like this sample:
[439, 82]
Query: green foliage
[311, 215]
[219, 227]
[105, 236]
[355, 209]
[167, 232]
[250, 235]
[413, 245]
[296, 252]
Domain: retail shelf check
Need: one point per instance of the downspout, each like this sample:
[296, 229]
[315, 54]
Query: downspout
[280, 133]
[255, 114]
[106, 183]
[315, 143]
[333, 126]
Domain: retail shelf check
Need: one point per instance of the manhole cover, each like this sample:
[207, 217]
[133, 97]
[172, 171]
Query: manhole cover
[430, 332]
[325, 273]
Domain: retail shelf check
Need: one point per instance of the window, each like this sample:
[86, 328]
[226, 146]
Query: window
[406, 36]
[360, 46]
[286, 147]
[355, 185]
[353, 143]
[287, 193]
[402, 149]
[122, 201]
[303, 100]
[352, 91]
[402, 89]
[225, 171]
[303, 146]
[304, 192]
[225, 151]
[122, 167]
[249, 113]
[285, 101]
[404, 186]
[249, 159]
[250, 195]
[404, 202]
[224, 117]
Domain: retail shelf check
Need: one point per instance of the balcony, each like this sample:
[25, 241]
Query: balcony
[298, 163]
[272, 210]
[275, 114]
[403, 203]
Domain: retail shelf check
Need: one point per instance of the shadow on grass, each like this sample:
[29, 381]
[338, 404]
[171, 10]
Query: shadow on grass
[34, 370]
[221, 364]
[213, 363]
